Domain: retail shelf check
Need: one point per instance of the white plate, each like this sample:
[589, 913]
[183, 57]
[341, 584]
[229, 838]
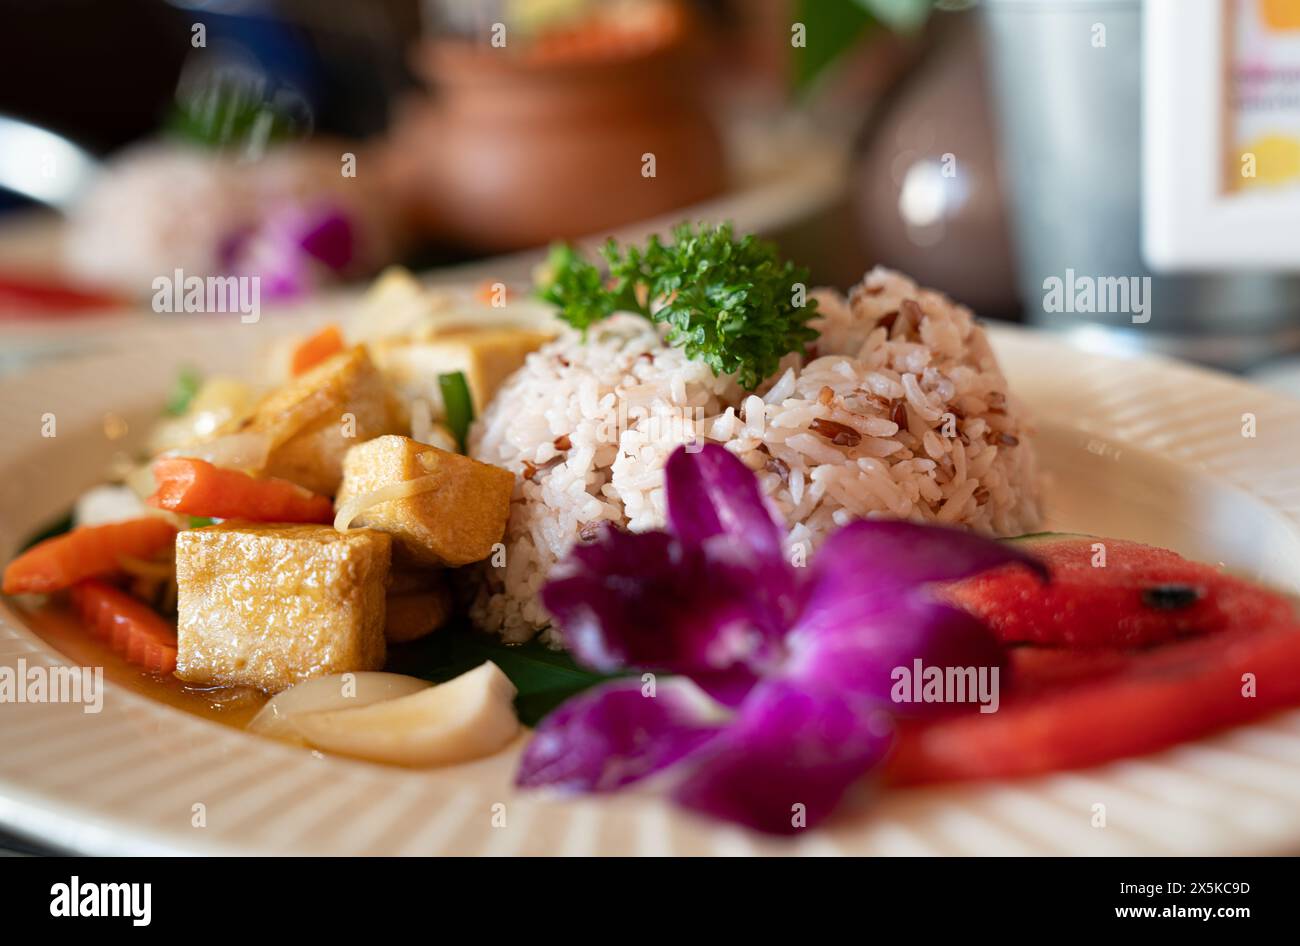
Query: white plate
[1140, 449]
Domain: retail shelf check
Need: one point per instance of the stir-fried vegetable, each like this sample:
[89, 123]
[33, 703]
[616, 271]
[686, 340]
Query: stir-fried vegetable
[466, 718]
[457, 405]
[197, 488]
[197, 417]
[183, 391]
[312, 351]
[333, 691]
[88, 552]
[126, 624]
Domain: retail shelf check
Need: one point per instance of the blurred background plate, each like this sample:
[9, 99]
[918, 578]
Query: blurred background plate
[986, 149]
[1137, 448]
[787, 177]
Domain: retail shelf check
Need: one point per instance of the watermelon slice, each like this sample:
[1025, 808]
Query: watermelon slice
[1140, 597]
[1113, 661]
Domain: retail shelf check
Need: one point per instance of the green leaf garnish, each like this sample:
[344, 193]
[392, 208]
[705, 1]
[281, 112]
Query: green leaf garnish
[545, 678]
[577, 286]
[457, 405]
[183, 391]
[732, 304]
[199, 522]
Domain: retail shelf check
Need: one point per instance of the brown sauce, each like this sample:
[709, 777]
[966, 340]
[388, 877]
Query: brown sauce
[59, 627]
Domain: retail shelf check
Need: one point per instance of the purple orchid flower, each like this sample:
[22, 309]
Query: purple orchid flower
[798, 662]
[292, 248]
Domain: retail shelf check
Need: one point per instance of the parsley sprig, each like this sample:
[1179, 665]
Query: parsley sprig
[733, 304]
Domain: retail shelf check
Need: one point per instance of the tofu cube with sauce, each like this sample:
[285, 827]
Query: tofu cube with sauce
[420, 601]
[485, 356]
[269, 606]
[455, 509]
[412, 615]
[314, 418]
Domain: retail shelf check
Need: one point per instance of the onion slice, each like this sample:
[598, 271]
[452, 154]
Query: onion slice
[355, 506]
[246, 451]
[333, 692]
[466, 718]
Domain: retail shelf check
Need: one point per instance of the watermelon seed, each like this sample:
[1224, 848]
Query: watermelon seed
[1171, 597]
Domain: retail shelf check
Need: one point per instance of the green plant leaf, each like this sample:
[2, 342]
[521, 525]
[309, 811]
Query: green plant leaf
[234, 112]
[834, 27]
[187, 385]
[544, 677]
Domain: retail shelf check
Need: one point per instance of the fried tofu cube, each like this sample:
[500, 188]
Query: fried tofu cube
[269, 606]
[485, 356]
[396, 304]
[457, 509]
[412, 612]
[314, 418]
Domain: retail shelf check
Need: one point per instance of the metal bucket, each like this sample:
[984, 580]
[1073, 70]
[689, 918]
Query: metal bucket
[1070, 125]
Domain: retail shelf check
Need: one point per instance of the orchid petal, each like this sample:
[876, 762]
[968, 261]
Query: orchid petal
[873, 554]
[330, 238]
[864, 616]
[729, 687]
[614, 735]
[788, 758]
[284, 276]
[872, 566]
[643, 600]
[875, 655]
[711, 493]
[714, 503]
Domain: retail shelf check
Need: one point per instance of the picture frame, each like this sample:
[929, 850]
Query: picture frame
[1221, 135]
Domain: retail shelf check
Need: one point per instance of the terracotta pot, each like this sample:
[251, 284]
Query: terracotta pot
[518, 150]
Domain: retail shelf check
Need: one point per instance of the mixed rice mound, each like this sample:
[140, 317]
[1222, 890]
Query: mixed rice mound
[898, 410]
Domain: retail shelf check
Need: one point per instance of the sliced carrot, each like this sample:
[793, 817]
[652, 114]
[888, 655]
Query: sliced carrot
[489, 291]
[312, 351]
[198, 488]
[87, 552]
[128, 625]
